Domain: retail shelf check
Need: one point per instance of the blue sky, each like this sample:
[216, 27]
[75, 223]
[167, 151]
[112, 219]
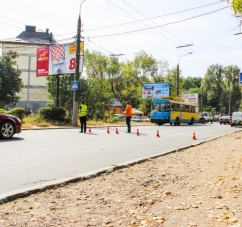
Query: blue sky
[126, 27]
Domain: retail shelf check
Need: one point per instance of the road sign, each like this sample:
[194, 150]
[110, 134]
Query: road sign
[74, 85]
[240, 78]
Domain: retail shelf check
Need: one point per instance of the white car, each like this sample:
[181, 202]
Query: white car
[136, 119]
[145, 119]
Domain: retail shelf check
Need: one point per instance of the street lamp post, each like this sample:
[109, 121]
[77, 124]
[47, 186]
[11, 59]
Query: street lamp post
[77, 74]
[177, 74]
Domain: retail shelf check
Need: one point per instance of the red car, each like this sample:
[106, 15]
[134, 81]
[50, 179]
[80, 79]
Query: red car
[9, 125]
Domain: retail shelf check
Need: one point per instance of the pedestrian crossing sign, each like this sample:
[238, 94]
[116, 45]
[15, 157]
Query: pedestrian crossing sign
[74, 85]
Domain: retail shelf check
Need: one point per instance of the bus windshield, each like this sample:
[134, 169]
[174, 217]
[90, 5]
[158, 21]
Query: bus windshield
[160, 107]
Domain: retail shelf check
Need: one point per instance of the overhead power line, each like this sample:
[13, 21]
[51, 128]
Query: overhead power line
[150, 18]
[175, 22]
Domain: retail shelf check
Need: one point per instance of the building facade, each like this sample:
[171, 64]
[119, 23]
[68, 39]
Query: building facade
[34, 94]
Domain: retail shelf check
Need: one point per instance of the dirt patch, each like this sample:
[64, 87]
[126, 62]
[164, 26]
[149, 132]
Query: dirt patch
[198, 186]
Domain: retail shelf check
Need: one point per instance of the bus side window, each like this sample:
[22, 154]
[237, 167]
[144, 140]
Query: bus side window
[172, 107]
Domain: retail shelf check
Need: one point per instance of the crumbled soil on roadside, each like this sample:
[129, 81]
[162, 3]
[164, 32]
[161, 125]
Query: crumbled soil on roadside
[198, 186]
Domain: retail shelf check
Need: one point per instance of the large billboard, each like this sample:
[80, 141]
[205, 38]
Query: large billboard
[191, 98]
[155, 90]
[58, 59]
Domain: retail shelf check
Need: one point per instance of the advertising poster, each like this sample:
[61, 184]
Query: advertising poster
[58, 59]
[155, 90]
[61, 59]
[42, 61]
[191, 98]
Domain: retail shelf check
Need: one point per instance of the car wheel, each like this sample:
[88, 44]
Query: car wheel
[7, 130]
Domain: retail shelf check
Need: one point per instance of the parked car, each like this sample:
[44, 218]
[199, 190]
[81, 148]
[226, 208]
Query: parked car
[136, 119]
[145, 119]
[225, 120]
[9, 125]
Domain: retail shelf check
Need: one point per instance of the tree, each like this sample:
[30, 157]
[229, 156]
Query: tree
[65, 93]
[237, 6]
[191, 82]
[213, 87]
[232, 88]
[10, 81]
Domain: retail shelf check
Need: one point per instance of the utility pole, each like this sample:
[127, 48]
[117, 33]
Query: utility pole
[230, 100]
[202, 101]
[177, 79]
[76, 76]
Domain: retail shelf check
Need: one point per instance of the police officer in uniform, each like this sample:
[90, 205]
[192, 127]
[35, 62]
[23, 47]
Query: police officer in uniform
[83, 116]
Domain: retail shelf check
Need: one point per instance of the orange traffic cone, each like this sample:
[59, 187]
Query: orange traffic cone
[193, 136]
[108, 131]
[89, 129]
[137, 133]
[117, 131]
[157, 133]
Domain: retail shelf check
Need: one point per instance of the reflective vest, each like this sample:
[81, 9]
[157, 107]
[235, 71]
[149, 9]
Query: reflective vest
[83, 111]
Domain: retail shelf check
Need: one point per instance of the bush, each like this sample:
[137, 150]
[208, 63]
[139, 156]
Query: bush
[52, 113]
[68, 118]
[18, 112]
[3, 111]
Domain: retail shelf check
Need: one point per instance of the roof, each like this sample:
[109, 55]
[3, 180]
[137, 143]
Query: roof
[115, 102]
[33, 36]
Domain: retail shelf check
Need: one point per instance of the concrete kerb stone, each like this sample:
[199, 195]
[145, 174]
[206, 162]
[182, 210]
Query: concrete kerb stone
[22, 193]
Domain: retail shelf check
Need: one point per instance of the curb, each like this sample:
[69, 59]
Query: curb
[13, 195]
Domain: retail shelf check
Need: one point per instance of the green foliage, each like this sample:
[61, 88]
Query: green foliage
[10, 81]
[18, 112]
[65, 93]
[221, 88]
[54, 113]
[106, 78]
[237, 6]
[33, 119]
[3, 111]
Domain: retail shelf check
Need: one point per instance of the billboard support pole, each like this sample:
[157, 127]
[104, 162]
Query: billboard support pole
[76, 76]
[57, 90]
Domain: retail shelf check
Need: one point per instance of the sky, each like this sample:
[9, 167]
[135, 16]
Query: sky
[168, 30]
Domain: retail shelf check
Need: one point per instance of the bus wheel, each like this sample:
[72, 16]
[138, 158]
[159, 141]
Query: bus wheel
[159, 124]
[171, 124]
[177, 121]
[192, 121]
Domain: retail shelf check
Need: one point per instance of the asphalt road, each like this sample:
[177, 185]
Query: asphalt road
[37, 157]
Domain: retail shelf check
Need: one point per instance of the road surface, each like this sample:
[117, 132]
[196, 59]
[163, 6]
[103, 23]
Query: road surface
[37, 157]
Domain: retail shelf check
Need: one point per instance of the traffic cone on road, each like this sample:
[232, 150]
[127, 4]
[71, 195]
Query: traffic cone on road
[194, 136]
[137, 133]
[157, 133]
[108, 131]
[117, 131]
[89, 129]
